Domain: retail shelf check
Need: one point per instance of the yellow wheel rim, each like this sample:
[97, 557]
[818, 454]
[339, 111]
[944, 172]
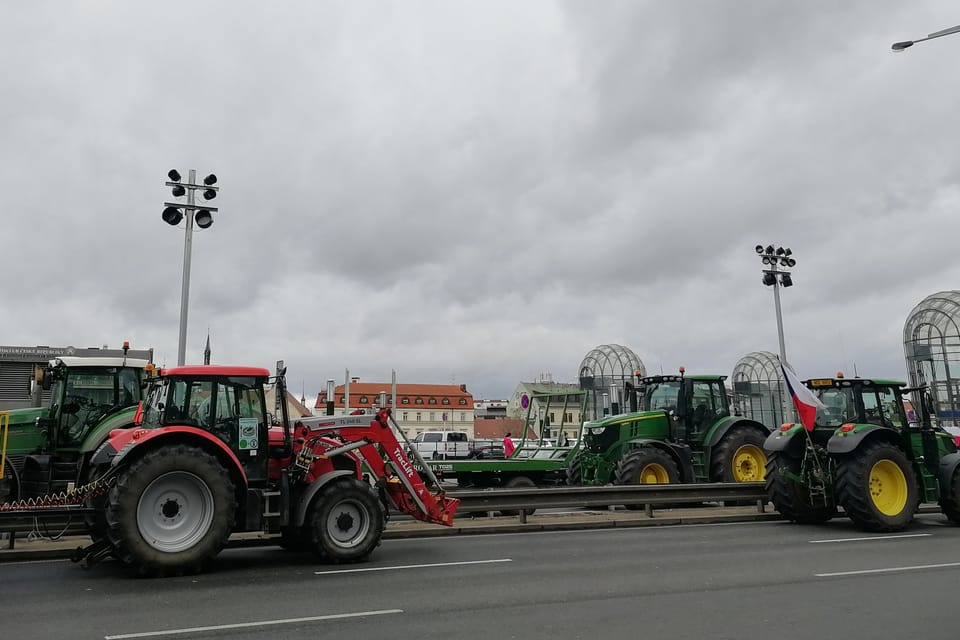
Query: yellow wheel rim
[888, 488]
[749, 464]
[654, 473]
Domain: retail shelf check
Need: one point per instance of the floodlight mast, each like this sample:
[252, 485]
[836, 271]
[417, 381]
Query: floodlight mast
[173, 213]
[778, 277]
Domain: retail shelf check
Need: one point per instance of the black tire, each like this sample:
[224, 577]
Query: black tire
[791, 499]
[346, 521]
[171, 511]
[646, 466]
[872, 492]
[575, 471]
[950, 500]
[518, 482]
[97, 523]
[739, 456]
[10, 484]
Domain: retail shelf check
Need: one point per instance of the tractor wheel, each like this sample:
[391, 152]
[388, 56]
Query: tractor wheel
[739, 457]
[950, 502]
[96, 523]
[347, 521]
[789, 498]
[646, 466]
[171, 511]
[876, 487]
[518, 482]
[575, 471]
[9, 485]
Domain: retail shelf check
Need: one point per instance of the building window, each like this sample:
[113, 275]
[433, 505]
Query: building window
[463, 417]
[405, 418]
[404, 400]
[432, 416]
[552, 418]
[418, 416]
[363, 399]
[343, 399]
[432, 401]
[463, 401]
[568, 417]
[418, 401]
[446, 401]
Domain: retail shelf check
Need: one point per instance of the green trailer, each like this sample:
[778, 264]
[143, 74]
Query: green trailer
[46, 450]
[864, 456]
[533, 463]
[683, 433]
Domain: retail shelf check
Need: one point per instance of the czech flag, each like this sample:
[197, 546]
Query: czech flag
[803, 399]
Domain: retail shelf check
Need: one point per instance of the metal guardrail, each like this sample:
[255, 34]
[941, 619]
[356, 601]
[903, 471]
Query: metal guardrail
[629, 495]
[70, 518]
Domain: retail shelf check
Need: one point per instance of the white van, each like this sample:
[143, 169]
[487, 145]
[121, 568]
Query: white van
[442, 445]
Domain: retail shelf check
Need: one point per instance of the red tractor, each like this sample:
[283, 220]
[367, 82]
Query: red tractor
[204, 461]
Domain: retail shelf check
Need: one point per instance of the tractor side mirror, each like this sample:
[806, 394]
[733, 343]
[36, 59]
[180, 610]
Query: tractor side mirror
[44, 378]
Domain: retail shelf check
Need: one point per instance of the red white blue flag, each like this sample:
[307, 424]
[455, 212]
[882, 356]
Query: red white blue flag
[803, 399]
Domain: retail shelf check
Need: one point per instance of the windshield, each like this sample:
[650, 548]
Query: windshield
[661, 396]
[89, 396]
[873, 405]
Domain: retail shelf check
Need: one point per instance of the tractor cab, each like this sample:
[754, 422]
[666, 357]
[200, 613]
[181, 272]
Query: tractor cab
[85, 392]
[859, 401]
[694, 403]
[227, 402]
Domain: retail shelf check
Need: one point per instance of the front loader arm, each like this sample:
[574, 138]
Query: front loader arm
[380, 449]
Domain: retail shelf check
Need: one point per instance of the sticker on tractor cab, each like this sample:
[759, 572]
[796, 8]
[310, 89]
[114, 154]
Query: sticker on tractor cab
[248, 433]
[821, 382]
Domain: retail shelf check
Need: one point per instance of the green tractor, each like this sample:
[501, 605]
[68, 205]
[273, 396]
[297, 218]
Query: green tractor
[45, 450]
[864, 456]
[683, 433]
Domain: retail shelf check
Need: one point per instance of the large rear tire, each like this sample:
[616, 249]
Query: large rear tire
[347, 521]
[171, 511]
[739, 457]
[518, 482]
[877, 488]
[646, 466]
[791, 499]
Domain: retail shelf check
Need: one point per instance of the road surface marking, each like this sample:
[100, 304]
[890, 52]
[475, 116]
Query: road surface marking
[242, 625]
[905, 535]
[862, 572]
[413, 566]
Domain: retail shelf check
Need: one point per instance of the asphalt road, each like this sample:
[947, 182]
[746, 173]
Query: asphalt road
[755, 580]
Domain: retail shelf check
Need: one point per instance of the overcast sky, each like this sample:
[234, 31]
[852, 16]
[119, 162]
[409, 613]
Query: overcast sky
[480, 192]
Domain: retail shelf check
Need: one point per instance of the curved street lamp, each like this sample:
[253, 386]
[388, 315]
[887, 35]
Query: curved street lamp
[906, 44]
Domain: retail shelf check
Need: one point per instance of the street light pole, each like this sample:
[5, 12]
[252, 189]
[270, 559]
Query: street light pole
[173, 213]
[185, 289]
[776, 277]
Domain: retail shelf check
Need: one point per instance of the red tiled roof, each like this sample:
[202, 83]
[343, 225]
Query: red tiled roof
[370, 390]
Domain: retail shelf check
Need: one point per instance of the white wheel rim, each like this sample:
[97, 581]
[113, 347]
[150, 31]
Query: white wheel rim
[175, 511]
[347, 523]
